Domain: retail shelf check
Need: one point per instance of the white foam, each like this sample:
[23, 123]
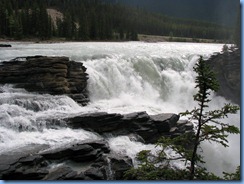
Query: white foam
[123, 78]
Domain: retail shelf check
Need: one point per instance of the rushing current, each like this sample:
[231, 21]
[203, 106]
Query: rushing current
[123, 77]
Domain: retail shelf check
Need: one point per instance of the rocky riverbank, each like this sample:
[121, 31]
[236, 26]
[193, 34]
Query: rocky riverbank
[52, 75]
[91, 159]
[87, 160]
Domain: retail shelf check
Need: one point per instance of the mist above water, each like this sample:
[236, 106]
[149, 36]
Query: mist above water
[123, 78]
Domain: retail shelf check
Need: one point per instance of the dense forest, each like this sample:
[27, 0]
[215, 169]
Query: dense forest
[96, 20]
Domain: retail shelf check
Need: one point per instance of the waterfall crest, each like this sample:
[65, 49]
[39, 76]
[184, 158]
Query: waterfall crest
[123, 78]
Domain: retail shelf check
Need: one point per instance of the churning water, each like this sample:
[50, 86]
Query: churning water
[123, 78]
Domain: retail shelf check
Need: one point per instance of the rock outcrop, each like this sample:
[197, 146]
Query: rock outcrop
[52, 75]
[91, 159]
[149, 128]
[82, 161]
[88, 160]
[227, 66]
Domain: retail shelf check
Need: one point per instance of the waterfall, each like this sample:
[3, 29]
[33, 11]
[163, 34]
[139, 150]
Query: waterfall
[158, 84]
[123, 78]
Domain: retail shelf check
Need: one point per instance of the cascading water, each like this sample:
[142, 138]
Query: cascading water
[139, 82]
[123, 78]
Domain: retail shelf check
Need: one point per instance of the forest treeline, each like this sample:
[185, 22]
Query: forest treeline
[96, 20]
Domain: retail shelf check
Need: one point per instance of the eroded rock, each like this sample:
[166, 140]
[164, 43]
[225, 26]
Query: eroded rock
[149, 128]
[52, 75]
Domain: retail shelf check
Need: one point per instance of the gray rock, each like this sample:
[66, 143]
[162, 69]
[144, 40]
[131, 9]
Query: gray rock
[119, 166]
[227, 67]
[95, 174]
[81, 152]
[149, 128]
[52, 75]
[61, 173]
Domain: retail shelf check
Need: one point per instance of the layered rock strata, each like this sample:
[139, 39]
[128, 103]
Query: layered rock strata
[91, 159]
[88, 160]
[149, 127]
[81, 161]
[52, 75]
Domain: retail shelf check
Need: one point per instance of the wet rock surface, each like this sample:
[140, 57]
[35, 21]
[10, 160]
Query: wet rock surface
[90, 160]
[87, 160]
[52, 75]
[61, 163]
[149, 128]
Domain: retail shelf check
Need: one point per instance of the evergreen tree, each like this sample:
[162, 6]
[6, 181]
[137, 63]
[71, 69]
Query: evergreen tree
[83, 28]
[101, 21]
[121, 34]
[18, 29]
[94, 26]
[67, 26]
[35, 21]
[208, 128]
[44, 25]
[83, 31]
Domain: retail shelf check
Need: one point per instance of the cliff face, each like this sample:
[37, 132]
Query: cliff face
[227, 67]
[52, 75]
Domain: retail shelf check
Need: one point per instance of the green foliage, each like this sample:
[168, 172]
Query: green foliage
[233, 176]
[148, 171]
[181, 145]
[96, 20]
[208, 128]
[205, 81]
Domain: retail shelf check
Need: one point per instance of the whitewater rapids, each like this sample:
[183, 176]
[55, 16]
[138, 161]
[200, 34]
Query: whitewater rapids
[123, 78]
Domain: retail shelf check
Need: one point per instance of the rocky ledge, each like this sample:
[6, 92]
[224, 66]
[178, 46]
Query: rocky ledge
[81, 161]
[52, 75]
[94, 159]
[148, 127]
[227, 66]
[88, 160]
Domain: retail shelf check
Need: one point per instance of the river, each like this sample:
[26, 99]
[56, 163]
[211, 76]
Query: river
[123, 78]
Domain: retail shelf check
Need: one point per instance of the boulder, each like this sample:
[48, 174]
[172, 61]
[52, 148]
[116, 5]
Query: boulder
[91, 160]
[52, 75]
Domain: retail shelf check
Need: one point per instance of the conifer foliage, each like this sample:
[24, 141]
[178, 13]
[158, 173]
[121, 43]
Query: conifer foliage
[96, 20]
[208, 127]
